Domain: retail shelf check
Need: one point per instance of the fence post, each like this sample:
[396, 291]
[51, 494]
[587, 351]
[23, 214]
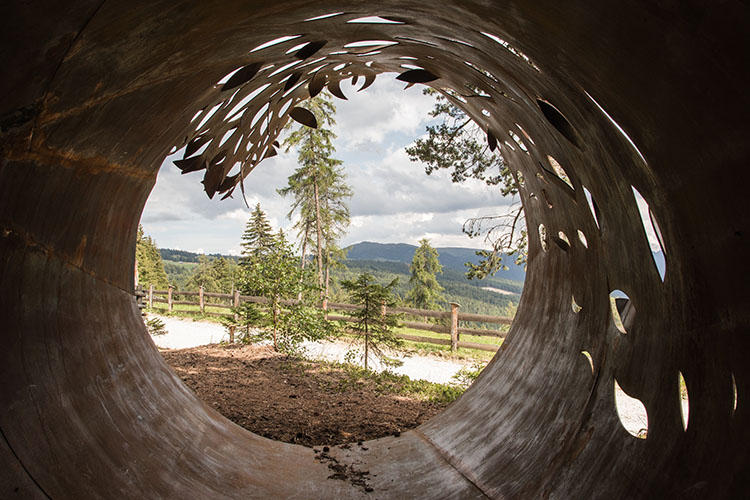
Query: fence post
[235, 304]
[454, 325]
[151, 297]
[201, 303]
[169, 299]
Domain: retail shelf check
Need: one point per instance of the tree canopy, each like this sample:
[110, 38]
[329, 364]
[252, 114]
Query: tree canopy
[425, 291]
[150, 266]
[372, 326]
[458, 144]
[318, 187]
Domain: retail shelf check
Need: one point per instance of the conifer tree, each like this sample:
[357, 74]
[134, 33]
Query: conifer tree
[150, 265]
[425, 291]
[372, 326]
[258, 238]
[319, 188]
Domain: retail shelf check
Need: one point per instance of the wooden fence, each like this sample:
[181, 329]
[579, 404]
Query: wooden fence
[451, 329]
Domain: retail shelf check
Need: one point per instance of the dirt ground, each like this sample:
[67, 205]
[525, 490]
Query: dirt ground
[295, 401]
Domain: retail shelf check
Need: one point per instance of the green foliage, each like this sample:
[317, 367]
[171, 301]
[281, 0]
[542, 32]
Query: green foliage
[150, 266]
[156, 326]
[425, 292]
[179, 272]
[277, 277]
[318, 187]
[245, 317]
[217, 275]
[466, 376]
[374, 328]
[458, 144]
[470, 294]
[258, 238]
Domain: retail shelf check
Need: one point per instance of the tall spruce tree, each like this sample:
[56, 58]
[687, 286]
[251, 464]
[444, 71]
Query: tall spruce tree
[318, 187]
[458, 144]
[258, 238]
[425, 291]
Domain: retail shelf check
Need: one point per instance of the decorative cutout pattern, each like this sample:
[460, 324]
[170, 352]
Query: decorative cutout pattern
[636, 421]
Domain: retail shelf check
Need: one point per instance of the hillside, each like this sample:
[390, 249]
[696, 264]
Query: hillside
[497, 295]
[452, 258]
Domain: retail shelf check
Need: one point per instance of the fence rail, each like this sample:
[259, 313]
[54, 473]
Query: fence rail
[452, 330]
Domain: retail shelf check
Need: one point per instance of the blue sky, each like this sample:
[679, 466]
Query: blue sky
[394, 200]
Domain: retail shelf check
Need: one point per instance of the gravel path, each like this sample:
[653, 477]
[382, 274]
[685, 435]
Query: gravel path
[184, 333]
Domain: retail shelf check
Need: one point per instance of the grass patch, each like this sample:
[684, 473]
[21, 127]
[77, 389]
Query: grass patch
[357, 378]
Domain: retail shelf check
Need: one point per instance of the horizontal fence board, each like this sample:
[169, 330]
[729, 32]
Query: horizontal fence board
[483, 333]
[334, 317]
[481, 347]
[345, 307]
[161, 292]
[221, 306]
[184, 303]
[426, 326]
[164, 301]
[417, 338]
[483, 318]
[419, 312]
[218, 295]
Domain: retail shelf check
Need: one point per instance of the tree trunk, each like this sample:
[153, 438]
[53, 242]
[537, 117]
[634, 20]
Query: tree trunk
[328, 270]
[367, 342]
[275, 322]
[303, 259]
[320, 234]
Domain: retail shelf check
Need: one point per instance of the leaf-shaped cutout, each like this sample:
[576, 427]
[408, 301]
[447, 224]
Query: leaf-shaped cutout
[316, 84]
[310, 49]
[228, 195]
[195, 144]
[355, 78]
[292, 80]
[276, 144]
[417, 76]
[242, 76]
[491, 140]
[335, 89]
[212, 180]
[227, 184]
[369, 79]
[191, 164]
[304, 116]
[270, 153]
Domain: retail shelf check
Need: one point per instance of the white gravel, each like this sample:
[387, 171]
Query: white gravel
[184, 333]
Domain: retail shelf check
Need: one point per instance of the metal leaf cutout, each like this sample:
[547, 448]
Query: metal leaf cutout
[491, 140]
[335, 89]
[242, 76]
[369, 79]
[310, 49]
[190, 164]
[417, 76]
[316, 84]
[304, 116]
[292, 80]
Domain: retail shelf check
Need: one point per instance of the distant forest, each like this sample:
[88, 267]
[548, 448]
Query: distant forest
[470, 294]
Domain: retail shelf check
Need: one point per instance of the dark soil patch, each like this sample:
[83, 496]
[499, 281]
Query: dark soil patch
[297, 401]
